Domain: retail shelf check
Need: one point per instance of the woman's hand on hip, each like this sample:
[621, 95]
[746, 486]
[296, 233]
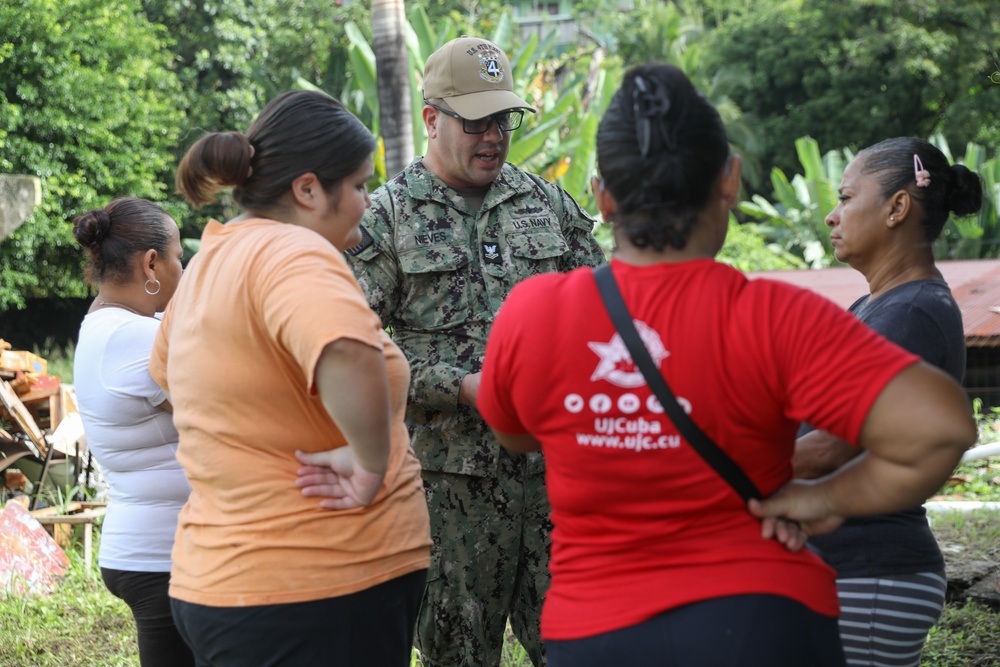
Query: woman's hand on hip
[336, 476]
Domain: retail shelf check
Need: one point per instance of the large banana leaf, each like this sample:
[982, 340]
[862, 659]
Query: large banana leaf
[978, 236]
[528, 144]
[365, 79]
[504, 32]
[576, 180]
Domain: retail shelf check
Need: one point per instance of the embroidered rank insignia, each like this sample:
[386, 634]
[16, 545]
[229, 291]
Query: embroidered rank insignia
[490, 254]
[366, 242]
[490, 68]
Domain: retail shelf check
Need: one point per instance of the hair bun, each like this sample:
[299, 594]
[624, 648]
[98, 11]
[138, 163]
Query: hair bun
[216, 161]
[91, 228]
[965, 197]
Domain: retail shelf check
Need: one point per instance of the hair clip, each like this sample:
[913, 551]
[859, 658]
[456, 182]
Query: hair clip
[250, 160]
[921, 175]
[649, 102]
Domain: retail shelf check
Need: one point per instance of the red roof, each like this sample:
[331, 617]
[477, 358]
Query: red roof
[975, 284]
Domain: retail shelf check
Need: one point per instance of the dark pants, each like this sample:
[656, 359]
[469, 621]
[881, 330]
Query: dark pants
[160, 644]
[370, 628]
[489, 564]
[738, 631]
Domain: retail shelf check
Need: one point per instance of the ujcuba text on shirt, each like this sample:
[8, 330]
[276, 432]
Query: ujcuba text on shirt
[635, 434]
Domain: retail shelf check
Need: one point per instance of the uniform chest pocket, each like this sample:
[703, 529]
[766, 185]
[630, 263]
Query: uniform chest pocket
[436, 287]
[535, 252]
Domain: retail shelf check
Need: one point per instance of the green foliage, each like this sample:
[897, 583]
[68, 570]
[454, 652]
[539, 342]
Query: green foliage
[965, 636]
[79, 624]
[744, 249]
[233, 56]
[664, 32]
[88, 104]
[659, 32]
[558, 142]
[975, 530]
[99, 99]
[59, 359]
[979, 479]
[82, 624]
[978, 236]
[852, 74]
[988, 422]
[748, 251]
[795, 221]
[61, 498]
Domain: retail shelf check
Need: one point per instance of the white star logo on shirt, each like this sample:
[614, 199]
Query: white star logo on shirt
[616, 365]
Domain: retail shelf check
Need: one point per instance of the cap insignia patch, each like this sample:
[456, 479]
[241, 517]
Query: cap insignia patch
[490, 68]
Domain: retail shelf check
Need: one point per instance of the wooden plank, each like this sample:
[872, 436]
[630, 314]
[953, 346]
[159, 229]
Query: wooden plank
[78, 513]
[74, 513]
[23, 419]
[69, 519]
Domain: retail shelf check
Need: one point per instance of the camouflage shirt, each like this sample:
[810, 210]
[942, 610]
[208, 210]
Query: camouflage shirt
[437, 271]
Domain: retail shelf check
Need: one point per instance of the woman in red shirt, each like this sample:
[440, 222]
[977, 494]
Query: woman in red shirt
[655, 560]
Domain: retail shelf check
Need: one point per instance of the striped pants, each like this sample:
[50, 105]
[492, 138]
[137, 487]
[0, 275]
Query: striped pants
[884, 621]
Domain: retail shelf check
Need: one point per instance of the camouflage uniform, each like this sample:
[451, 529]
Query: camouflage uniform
[436, 272]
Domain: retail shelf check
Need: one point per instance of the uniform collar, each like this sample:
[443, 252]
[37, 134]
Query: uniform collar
[422, 184]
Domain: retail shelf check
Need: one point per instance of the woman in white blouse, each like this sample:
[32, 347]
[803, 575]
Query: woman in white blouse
[134, 259]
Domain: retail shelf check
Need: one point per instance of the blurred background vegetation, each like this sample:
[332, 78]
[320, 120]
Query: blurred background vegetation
[100, 98]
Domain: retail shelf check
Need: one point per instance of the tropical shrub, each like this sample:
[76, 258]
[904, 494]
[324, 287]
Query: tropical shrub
[978, 236]
[854, 73]
[89, 105]
[795, 220]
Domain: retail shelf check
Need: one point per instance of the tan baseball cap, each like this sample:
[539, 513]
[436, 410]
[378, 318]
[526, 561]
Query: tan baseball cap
[473, 77]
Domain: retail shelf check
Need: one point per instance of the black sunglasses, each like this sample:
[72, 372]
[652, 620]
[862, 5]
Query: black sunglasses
[505, 120]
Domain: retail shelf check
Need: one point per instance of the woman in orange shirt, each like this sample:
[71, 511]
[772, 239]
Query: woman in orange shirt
[273, 359]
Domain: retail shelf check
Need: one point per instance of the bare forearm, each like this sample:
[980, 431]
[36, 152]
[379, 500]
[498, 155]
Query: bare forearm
[819, 453]
[913, 438]
[469, 389]
[354, 387]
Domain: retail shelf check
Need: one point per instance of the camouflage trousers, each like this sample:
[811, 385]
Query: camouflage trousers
[489, 563]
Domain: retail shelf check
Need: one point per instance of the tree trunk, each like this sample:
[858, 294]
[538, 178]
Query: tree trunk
[19, 195]
[392, 66]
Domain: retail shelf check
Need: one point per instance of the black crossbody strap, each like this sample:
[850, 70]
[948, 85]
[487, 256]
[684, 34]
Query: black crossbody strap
[701, 443]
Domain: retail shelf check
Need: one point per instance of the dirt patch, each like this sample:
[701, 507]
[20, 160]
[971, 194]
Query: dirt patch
[971, 554]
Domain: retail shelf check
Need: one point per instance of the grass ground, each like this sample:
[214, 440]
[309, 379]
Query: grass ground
[968, 634]
[78, 625]
[82, 625]
[978, 479]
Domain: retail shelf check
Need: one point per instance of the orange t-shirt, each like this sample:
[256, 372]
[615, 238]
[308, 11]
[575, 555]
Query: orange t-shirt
[237, 351]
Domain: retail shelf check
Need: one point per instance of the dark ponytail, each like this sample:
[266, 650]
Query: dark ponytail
[299, 131]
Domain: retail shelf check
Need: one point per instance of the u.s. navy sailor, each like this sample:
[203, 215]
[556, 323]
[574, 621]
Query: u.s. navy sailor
[444, 242]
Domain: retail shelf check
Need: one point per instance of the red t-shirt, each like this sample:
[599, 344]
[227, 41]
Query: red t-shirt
[642, 523]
